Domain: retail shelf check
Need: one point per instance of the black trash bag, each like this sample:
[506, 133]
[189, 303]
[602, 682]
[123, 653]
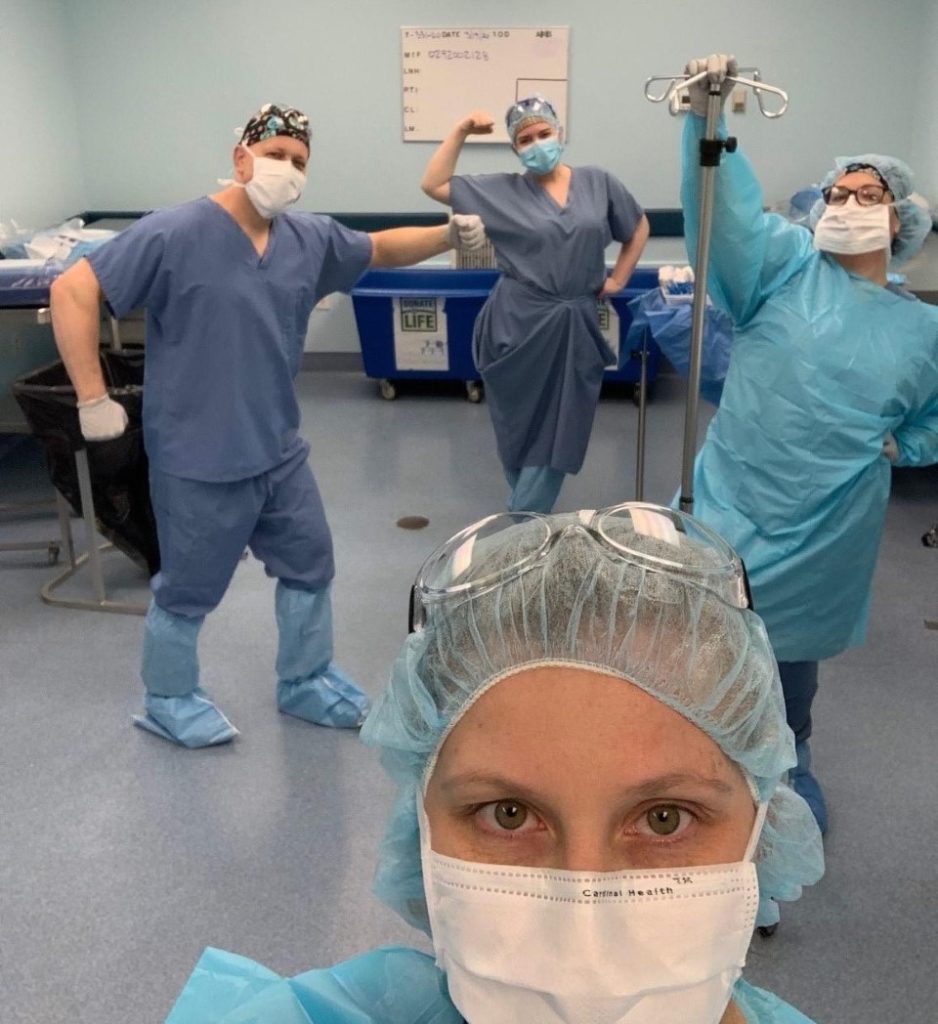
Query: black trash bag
[118, 468]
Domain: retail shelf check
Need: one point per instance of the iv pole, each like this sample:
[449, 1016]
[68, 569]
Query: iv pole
[711, 152]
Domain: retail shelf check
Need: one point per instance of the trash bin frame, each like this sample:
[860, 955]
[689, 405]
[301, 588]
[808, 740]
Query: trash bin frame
[91, 557]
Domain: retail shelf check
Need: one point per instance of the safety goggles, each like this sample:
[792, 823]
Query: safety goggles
[502, 547]
[529, 108]
[866, 195]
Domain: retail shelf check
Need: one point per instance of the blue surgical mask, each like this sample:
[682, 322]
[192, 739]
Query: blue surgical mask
[542, 157]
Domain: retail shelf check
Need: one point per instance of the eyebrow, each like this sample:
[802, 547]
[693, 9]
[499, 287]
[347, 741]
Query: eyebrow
[643, 790]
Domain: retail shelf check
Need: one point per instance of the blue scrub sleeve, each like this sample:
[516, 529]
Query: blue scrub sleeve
[127, 267]
[624, 212]
[917, 438]
[346, 258]
[752, 253]
[468, 193]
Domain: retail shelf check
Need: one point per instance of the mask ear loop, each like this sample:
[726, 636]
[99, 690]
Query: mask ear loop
[763, 810]
[231, 181]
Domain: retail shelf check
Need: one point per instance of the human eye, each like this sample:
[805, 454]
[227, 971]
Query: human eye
[507, 817]
[665, 821]
[870, 195]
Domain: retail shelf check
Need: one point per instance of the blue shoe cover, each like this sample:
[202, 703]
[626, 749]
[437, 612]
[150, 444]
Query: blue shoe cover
[191, 720]
[330, 698]
[803, 782]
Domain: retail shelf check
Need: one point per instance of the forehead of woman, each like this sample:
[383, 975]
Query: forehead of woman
[856, 179]
[556, 728]
[530, 129]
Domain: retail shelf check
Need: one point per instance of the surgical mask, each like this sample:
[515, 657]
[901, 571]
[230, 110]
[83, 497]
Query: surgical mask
[851, 229]
[542, 157]
[558, 947]
[274, 186]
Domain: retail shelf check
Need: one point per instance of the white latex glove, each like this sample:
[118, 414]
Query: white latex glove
[890, 448]
[101, 419]
[466, 231]
[717, 66]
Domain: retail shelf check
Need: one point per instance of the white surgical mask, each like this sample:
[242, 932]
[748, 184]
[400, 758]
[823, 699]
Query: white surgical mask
[851, 229]
[274, 186]
[521, 944]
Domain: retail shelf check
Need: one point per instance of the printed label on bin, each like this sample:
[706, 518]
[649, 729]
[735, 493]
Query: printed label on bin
[609, 325]
[420, 341]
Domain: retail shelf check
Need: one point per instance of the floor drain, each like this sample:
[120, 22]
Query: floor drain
[413, 522]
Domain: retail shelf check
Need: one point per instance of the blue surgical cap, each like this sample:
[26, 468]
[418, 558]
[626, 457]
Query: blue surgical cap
[528, 111]
[914, 221]
[682, 643]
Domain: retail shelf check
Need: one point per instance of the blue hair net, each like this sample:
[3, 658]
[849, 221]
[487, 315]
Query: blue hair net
[914, 220]
[528, 111]
[583, 603]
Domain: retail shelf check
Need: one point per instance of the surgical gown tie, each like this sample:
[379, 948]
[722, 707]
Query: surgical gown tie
[542, 358]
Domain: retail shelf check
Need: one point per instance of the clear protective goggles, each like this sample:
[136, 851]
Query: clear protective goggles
[652, 537]
[529, 108]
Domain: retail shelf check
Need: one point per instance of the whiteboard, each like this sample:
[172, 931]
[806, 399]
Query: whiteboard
[448, 72]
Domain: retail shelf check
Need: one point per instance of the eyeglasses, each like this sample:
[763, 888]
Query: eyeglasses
[503, 547]
[867, 195]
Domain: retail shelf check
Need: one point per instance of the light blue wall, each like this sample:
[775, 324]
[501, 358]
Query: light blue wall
[161, 86]
[924, 149]
[41, 173]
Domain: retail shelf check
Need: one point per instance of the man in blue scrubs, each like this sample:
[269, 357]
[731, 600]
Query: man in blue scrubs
[228, 282]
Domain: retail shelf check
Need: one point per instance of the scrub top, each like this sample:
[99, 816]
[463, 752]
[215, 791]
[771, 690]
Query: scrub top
[824, 363]
[393, 985]
[537, 341]
[225, 329]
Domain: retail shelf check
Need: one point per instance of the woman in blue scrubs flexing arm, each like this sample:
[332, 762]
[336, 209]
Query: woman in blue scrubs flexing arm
[537, 341]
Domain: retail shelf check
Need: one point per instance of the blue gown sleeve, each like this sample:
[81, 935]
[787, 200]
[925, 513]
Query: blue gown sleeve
[624, 212]
[917, 438]
[127, 267]
[761, 1007]
[752, 253]
[390, 984]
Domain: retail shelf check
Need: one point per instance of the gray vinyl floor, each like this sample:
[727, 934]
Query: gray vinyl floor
[121, 856]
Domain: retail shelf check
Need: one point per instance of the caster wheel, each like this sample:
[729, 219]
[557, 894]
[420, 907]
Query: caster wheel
[388, 390]
[474, 391]
[768, 930]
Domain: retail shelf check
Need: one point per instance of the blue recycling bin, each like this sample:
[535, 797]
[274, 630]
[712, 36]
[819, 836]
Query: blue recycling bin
[629, 369]
[417, 324]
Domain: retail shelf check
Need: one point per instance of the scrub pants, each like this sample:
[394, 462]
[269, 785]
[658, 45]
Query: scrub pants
[534, 488]
[203, 528]
[799, 685]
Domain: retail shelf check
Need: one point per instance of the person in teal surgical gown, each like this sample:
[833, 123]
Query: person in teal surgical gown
[585, 702]
[832, 380]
